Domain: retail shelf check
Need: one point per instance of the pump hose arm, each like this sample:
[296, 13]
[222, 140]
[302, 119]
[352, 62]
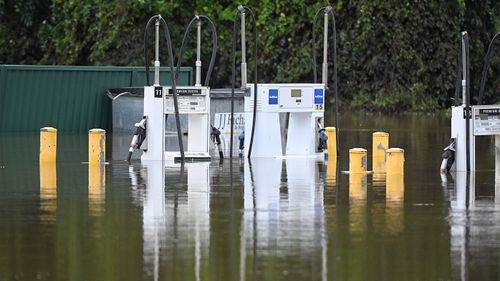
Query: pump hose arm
[214, 47]
[328, 9]
[458, 80]
[171, 62]
[487, 58]
[242, 9]
[146, 50]
[314, 44]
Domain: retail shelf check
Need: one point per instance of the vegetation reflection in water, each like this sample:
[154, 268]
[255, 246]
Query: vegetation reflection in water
[268, 220]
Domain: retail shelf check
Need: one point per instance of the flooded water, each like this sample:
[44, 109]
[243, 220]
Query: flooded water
[288, 220]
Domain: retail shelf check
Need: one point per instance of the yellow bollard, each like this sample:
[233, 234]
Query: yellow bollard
[48, 144]
[395, 161]
[97, 146]
[380, 143]
[331, 172]
[331, 133]
[357, 160]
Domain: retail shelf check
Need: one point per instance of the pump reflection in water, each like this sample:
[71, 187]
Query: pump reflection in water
[97, 187]
[186, 219]
[275, 216]
[154, 222]
[48, 190]
[459, 221]
[306, 203]
[262, 193]
[199, 213]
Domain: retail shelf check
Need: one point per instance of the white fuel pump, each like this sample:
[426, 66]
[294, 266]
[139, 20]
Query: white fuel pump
[303, 103]
[193, 101]
[461, 123]
[468, 122]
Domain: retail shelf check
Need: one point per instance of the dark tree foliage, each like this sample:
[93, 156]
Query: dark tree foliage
[394, 55]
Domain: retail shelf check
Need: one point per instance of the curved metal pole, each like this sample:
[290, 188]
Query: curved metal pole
[214, 47]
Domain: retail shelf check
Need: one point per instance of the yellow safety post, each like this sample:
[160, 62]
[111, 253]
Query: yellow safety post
[357, 160]
[331, 172]
[97, 146]
[48, 187]
[331, 133]
[395, 161]
[48, 144]
[97, 187]
[395, 175]
[380, 143]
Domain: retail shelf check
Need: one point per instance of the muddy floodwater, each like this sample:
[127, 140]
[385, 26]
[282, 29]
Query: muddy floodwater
[293, 219]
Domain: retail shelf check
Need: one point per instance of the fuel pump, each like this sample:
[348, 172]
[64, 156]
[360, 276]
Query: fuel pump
[193, 101]
[469, 122]
[154, 105]
[304, 102]
[195, 125]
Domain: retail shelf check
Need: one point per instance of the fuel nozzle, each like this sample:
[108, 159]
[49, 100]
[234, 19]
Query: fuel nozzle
[323, 140]
[241, 138]
[139, 137]
[215, 136]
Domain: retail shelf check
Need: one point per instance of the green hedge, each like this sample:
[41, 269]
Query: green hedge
[393, 55]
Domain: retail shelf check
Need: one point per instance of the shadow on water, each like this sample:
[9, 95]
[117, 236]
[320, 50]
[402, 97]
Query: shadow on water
[293, 219]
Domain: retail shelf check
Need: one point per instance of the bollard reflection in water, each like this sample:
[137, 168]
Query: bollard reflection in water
[378, 180]
[357, 202]
[331, 172]
[357, 186]
[97, 188]
[394, 202]
[48, 190]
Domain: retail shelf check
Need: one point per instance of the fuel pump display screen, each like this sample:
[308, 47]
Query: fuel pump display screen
[296, 93]
[486, 119]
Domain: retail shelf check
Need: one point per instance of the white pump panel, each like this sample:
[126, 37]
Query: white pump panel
[193, 101]
[304, 102]
[485, 121]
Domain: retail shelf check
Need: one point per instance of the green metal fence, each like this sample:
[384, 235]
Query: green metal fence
[70, 98]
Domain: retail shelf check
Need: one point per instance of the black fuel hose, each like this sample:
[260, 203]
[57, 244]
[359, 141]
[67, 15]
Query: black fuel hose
[172, 73]
[487, 58]
[328, 9]
[241, 9]
[214, 47]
